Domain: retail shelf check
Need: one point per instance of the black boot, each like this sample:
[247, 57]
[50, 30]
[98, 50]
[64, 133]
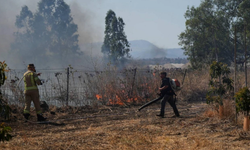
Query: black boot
[160, 115]
[40, 117]
[26, 116]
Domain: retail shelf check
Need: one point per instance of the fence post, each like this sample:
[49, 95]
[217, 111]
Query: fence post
[245, 43]
[184, 77]
[67, 98]
[235, 69]
[133, 83]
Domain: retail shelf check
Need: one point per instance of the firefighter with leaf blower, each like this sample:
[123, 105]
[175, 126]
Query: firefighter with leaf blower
[165, 95]
[31, 92]
[167, 92]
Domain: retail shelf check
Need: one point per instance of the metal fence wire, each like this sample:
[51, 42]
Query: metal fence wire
[79, 88]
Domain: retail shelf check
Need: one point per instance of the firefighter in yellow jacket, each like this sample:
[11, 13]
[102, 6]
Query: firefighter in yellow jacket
[31, 92]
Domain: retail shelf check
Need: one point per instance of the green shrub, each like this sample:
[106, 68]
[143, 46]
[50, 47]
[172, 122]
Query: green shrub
[220, 84]
[243, 100]
[4, 133]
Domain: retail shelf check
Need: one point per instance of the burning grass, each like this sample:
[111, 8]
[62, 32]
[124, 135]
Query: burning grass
[111, 86]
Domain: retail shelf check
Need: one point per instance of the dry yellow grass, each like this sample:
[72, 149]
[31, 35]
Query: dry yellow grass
[125, 128]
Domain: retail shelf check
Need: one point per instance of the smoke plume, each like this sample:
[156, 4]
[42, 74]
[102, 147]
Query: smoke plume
[88, 31]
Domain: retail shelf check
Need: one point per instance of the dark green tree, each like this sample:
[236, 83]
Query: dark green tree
[209, 34]
[244, 10]
[115, 45]
[243, 100]
[243, 28]
[49, 33]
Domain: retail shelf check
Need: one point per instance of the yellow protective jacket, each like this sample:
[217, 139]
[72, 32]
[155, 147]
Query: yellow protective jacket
[31, 80]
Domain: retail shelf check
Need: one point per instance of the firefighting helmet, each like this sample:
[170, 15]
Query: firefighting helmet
[31, 66]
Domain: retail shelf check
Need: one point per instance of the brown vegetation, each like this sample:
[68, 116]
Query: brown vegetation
[123, 127]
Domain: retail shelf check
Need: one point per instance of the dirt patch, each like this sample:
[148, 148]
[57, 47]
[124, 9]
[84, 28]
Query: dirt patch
[126, 128]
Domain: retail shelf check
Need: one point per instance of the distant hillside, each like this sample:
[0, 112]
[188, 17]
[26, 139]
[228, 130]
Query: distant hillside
[145, 49]
[175, 53]
[141, 49]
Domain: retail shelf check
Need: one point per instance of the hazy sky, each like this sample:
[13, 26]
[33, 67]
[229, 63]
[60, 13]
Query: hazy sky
[157, 21]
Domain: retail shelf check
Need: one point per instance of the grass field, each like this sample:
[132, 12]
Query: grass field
[126, 128]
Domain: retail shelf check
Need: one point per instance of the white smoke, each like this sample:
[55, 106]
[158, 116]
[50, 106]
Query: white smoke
[88, 31]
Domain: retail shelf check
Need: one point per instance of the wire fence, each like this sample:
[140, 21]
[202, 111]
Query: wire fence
[78, 87]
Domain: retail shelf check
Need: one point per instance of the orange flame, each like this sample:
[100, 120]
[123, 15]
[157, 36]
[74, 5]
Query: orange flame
[117, 100]
[98, 96]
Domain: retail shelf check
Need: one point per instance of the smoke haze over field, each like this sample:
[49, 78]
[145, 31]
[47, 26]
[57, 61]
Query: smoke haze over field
[90, 19]
[88, 31]
[8, 11]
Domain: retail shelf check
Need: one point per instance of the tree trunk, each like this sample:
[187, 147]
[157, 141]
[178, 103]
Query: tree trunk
[221, 111]
[246, 123]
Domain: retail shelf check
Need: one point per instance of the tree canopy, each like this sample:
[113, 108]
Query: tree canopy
[210, 28]
[115, 45]
[47, 34]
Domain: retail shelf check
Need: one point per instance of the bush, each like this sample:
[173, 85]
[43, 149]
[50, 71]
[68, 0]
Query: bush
[243, 100]
[4, 133]
[220, 84]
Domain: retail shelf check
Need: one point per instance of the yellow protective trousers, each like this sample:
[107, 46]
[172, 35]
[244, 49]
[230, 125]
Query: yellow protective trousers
[32, 95]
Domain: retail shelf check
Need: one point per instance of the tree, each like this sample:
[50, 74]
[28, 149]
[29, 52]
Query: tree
[220, 83]
[115, 45]
[209, 34]
[49, 33]
[244, 10]
[242, 98]
[243, 28]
